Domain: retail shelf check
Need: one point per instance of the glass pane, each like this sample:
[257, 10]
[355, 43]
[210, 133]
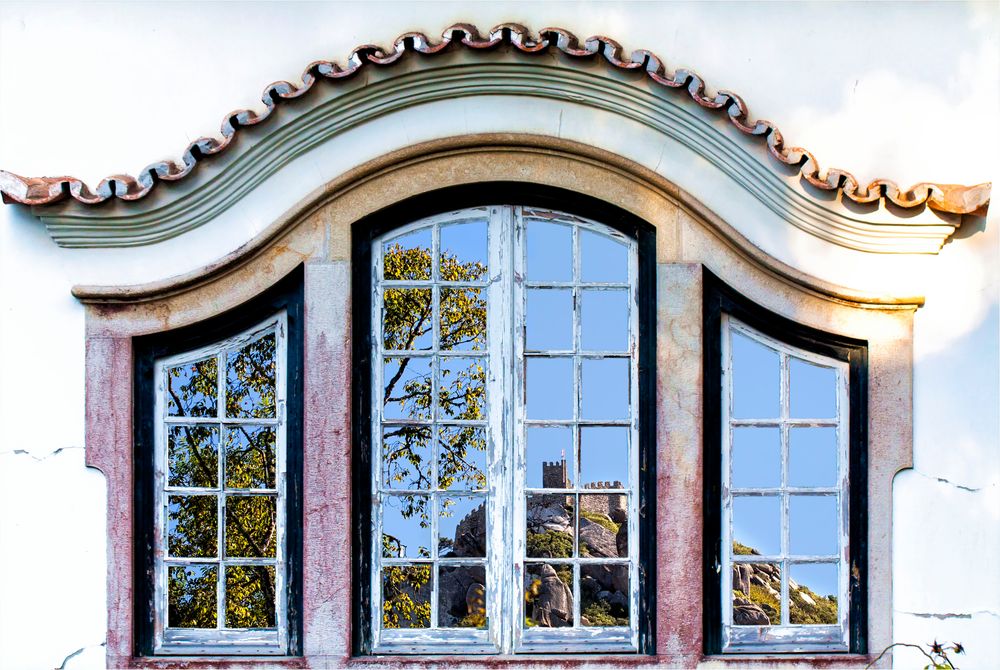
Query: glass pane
[602, 258]
[604, 525]
[549, 251]
[757, 524]
[250, 457]
[756, 594]
[406, 526]
[464, 256]
[605, 393]
[548, 595]
[604, 595]
[549, 386]
[408, 256]
[407, 319]
[812, 593]
[549, 458]
[604, 457]
[812, 390]
[463, 319]
[462, 388]
[462, 458]
[250, 596]
[604, 322]
[812, 456]
[406, 596]
[193, 456]
[250, 379]
[756, 457]
[192, 596]
[407, 388]
[461, 527]
[462, 597]
[549, 320]
[549, 527]
[193, 388]
[756, 379]
[251, 526]
[192, 526]
[812, 525]
[406, 457]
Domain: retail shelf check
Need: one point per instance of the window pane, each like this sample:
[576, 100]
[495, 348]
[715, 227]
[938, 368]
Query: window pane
[603, 525]
[757, 524]
[756, 594]
[812, 593]
[462, 458]
[549, 252]
[812, 525]
[604, 595]
[408, 256]
[604, 456]
[250, 596]
[756, 457]
[461, 527]
[192, 526]
[756, 379]
[604, 323]
[192, 596]
[463, 319]
[251, 526]
[462, 388]
[250, 379]
[549, 458]
[406, 596]
[549, 386]
[407, 319]
[812, 390]
[250, 457]
[550, 523]
[407, 388]
[812, 456]
[549, 320]
[192, 388]
[406, 457]
[548, 595]
[193, 455]
[462, 597]
[605, 388]
[602, 258]
[464, 255]
[406, 526]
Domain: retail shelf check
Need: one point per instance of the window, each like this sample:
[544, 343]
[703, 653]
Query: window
[505, 435]
[222, 500]
[788, 575]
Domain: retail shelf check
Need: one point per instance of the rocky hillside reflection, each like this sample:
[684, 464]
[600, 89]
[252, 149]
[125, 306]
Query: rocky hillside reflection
[757, 595]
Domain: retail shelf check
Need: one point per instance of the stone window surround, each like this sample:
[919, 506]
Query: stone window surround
[317, 233]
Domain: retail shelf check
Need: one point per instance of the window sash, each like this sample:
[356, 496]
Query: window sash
[785, 636]
[505, 560]
[220, 640]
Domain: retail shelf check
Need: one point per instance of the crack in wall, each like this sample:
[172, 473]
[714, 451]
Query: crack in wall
[25, 452]
[950, 615]
[78, 651]
[942, 480]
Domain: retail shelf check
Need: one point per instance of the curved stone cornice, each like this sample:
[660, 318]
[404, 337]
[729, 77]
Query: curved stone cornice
[133, 212]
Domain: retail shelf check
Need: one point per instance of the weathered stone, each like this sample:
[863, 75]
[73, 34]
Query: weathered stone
[596, 540]
[553, 606]
[750, 615]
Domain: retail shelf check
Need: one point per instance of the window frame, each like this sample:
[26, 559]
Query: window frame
[282, 303]
[364, 234]
[722, 303]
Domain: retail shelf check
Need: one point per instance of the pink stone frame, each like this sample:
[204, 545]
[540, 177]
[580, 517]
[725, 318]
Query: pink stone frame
[318, 234]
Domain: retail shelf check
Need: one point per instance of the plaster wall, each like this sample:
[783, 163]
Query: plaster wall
[137, 82]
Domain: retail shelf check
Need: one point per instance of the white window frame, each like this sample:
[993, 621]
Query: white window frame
[221, 640]
[785, 637]
[505, 494]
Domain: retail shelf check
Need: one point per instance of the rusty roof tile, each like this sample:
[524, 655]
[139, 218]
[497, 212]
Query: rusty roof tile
[953, 198]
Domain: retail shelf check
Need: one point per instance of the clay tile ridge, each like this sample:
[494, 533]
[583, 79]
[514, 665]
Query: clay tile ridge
[953, 198]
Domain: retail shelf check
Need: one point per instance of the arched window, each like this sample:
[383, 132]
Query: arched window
[504, 434]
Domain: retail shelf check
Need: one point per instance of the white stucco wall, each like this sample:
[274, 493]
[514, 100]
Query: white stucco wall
[908, 92]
